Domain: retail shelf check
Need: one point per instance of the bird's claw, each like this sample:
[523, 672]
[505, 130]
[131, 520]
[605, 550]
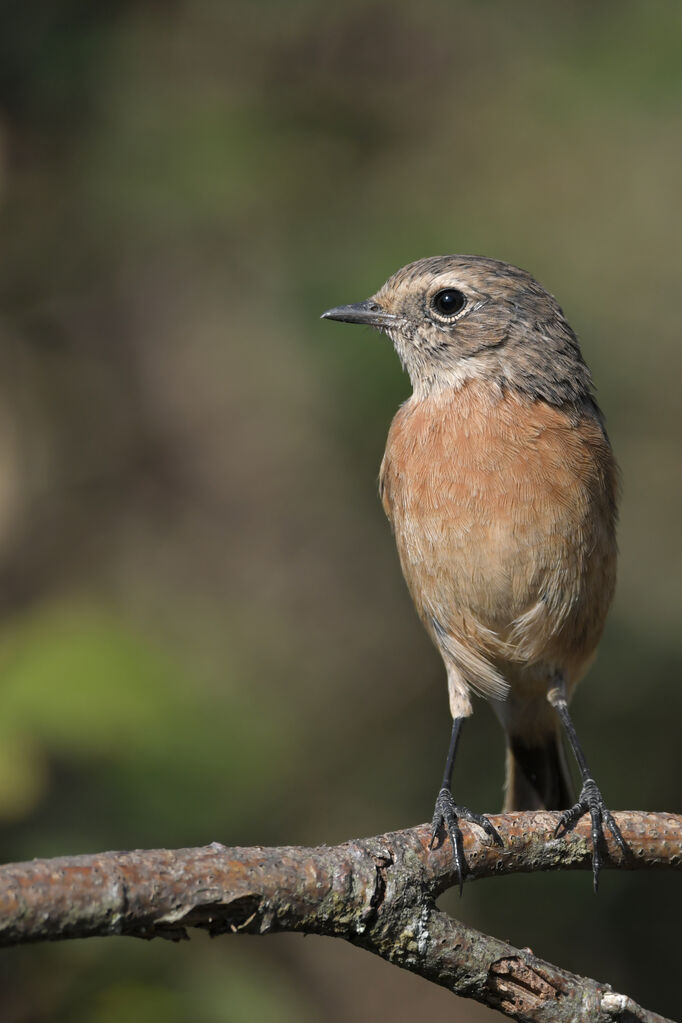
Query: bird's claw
[446, 817]
[591, 801]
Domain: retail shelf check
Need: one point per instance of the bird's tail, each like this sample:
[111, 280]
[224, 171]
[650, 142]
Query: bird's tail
[537, 775]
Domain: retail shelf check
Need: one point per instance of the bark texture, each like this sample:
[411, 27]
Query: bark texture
[379, 893]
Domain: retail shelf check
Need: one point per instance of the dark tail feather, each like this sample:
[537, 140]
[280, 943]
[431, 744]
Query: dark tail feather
[537, 775]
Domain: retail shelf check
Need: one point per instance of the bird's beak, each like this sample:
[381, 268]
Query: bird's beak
[369, 312]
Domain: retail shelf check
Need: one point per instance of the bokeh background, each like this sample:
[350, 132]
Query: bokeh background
[205, 633]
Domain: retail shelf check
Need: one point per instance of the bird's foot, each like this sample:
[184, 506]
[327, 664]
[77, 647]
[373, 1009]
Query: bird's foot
[591, 801]
[446, 817]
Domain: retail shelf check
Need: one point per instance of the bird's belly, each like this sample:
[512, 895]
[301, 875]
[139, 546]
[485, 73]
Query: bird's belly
[471, 553]
[505, 533]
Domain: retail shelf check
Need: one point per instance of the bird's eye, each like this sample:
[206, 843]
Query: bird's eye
[448, 302]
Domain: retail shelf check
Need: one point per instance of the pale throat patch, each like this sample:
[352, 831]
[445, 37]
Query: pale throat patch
[427, 374]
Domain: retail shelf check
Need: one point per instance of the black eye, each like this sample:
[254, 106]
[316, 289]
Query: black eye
[448, 302]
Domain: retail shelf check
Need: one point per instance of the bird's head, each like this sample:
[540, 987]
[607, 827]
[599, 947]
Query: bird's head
[458, 318]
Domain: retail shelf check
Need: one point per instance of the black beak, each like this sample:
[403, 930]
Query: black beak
[369, 312]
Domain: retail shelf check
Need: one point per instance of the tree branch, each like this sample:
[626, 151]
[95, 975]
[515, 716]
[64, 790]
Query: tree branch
[379, 893]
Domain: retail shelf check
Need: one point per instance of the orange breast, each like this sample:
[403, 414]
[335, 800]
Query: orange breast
[504, 514]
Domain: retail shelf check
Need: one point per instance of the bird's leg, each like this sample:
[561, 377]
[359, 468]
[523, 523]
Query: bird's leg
[590, 800]
[447, 814]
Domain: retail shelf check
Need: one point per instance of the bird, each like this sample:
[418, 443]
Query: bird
[501, 487]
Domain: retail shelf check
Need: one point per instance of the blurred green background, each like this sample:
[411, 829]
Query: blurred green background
[205, 633]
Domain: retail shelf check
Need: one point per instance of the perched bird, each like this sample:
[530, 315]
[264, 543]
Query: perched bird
[501, 488]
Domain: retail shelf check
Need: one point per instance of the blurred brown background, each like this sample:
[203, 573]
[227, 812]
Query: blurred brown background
[205, 633]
